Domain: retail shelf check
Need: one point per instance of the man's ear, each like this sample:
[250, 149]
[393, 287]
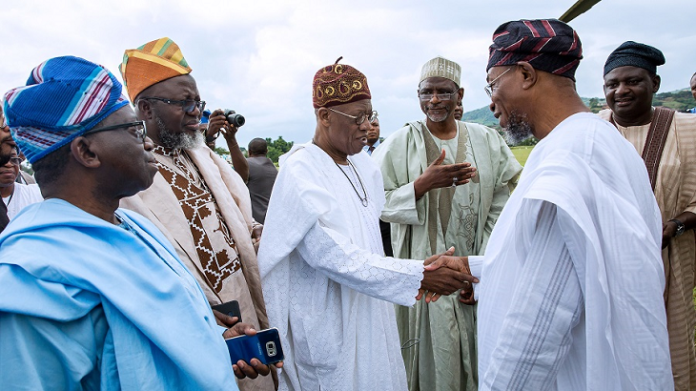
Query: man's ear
[656, 80]
[460, 94]
[82, 151]
[323, 116]
[530, 75]
[144, 109]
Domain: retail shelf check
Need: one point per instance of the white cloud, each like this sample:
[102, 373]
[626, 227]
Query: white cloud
[259, 57]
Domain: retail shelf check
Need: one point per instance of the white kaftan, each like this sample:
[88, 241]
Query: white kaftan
[22, 196]
[326, 282]
[571, 284]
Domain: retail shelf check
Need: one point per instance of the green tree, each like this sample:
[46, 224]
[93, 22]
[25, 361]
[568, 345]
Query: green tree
[223, 152]
[277, 148]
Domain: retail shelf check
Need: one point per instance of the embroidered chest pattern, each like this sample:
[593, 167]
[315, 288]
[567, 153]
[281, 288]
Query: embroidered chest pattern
[202, 212]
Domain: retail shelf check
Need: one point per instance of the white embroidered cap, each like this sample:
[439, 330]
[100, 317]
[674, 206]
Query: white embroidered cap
[441, 67]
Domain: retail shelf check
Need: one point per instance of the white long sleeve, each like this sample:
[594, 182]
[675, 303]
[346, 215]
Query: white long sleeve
[386, 278]
[536, 334]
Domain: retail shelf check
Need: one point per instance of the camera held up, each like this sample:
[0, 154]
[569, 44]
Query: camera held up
[234, 119]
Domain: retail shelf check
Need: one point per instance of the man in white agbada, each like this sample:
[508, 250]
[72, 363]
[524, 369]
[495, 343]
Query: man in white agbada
[328, 287]
[571, 283]
[432, 207]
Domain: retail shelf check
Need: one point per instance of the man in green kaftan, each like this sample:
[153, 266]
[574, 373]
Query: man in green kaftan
[431, 209]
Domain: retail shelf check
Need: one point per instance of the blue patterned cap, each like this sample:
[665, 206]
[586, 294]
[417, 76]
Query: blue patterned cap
[205, 118]
[64, 97]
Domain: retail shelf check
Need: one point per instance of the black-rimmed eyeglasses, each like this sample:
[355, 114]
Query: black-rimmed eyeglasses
[188, 105]
[139, 126]
[359, 119]
[15, 161]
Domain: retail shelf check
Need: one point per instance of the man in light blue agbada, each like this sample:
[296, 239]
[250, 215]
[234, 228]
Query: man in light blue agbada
[91, 296]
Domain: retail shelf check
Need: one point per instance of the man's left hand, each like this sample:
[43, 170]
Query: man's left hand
[466, 295]
[668, 232]
[218, 123]
[256, 235]
[241, 368]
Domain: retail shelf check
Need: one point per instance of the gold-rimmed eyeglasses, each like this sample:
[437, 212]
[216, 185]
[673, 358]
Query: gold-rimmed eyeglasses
[359, 119]
[489, 87]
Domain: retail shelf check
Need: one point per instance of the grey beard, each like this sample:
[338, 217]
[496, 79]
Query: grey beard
[182, 140]
[517, 130]
[443, 119]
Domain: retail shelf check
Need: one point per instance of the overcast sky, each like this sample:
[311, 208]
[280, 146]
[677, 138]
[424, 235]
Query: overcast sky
[258, 57]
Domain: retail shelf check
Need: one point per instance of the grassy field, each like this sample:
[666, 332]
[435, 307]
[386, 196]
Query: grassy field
[521, 153]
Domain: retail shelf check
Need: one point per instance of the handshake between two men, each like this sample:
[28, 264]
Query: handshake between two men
[445, 274]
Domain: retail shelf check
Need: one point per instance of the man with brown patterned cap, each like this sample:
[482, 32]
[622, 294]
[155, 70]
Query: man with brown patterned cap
[327, 284]
[571, 283]
[196, 199]
[666, 141]
[432, 206]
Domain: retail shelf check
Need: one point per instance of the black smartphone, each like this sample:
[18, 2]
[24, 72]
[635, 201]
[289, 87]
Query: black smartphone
[230, 308]
[265, 346]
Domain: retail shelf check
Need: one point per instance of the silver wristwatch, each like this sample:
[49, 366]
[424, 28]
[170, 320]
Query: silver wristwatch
[680, 227]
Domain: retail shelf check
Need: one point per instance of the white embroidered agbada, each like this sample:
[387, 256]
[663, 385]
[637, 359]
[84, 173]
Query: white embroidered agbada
[571, 284]
[327, 285]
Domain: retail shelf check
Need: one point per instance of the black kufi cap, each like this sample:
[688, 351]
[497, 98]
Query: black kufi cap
[634, 54]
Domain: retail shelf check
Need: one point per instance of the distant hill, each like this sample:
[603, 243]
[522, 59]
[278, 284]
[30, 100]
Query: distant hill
[680, 100]
[483, 116]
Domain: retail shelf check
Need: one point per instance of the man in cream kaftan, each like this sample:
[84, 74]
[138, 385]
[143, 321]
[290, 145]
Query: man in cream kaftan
[439, 339]
[198, 201]
[471, 211]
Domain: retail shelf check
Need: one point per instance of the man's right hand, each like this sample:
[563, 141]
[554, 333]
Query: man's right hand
[444, 274]
[437, 176]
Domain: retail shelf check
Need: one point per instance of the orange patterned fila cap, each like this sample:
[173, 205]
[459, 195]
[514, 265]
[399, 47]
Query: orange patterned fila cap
[150, 64]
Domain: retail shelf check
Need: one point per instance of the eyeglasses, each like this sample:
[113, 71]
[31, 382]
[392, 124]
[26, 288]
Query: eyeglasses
[440, 96]
[188, 105]
[15, 161]
[489, 87]
[140, 129]
[360, 118]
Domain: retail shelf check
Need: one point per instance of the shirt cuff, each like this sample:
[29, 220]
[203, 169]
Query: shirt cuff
[475, 265]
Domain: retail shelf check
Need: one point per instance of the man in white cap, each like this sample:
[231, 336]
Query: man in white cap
[431, 208]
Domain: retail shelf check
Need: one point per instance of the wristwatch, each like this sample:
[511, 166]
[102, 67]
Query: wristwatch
[680, 227]
[209, 139]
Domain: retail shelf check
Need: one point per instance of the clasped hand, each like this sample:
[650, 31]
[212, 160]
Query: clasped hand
[444, 274]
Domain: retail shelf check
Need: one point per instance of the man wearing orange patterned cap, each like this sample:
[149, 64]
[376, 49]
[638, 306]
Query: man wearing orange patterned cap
[197, 200]
[329, 288]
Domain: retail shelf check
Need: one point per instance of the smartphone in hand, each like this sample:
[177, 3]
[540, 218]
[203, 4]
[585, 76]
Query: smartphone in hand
[265, 346]
[230, 308]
